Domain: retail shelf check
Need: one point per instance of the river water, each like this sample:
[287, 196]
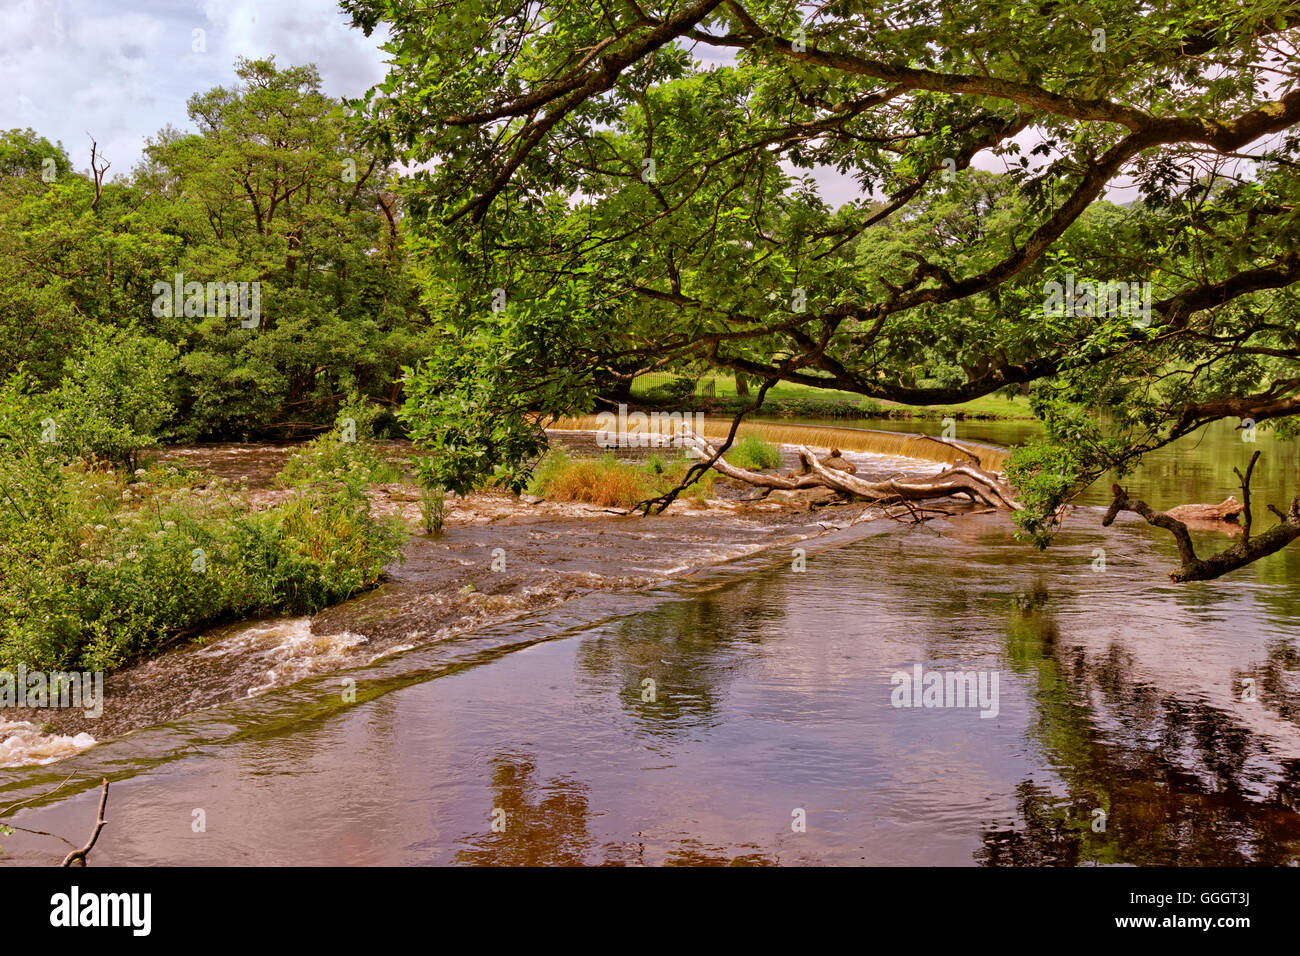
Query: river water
[747, 715]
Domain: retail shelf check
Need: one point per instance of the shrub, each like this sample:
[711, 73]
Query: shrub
[752, 453]
[115, 397]
[95, 571]
[347, 453]
[673, 392]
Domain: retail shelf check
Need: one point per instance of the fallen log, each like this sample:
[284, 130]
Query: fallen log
[1226, 510]
[834, 460]
[963, 479]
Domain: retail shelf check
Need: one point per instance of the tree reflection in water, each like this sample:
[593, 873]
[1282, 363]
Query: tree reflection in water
[690, 650]
[550, 825]
[1181, 782]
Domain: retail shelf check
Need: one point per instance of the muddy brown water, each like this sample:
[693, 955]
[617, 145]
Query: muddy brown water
[649, 708]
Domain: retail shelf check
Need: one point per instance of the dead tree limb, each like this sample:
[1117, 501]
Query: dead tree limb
[965, 452]
[1225, 512]
[959, 479]
[18, 829]
[1245, 496]
[15, 806]
[1244, 552]
[80, 855]
[696, 470]
[968, 479]
[97, 168]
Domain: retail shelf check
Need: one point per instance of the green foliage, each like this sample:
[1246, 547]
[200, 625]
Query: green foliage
[1076, 448]
[95, 571]
[347, 453]
[672, 392]
[24, 153]
[305, 210]
[752, 453]
[674, 473]
[115, 397]
[547, 469]
[274, 188]
[651, 209]
[433, 509]
[71, 264]
[465, 406]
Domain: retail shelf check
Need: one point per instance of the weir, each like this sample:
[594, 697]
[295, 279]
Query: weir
[866, 440]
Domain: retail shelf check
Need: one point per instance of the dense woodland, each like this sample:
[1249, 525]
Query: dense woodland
[271, 187]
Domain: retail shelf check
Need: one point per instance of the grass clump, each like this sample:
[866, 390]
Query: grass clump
[754, 454]
[433, 509]
[611, 483]
[603, 481]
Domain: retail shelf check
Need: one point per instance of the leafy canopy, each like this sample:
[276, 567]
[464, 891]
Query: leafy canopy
[630, 185]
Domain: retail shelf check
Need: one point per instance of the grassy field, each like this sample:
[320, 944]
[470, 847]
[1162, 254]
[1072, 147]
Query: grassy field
[725, 387]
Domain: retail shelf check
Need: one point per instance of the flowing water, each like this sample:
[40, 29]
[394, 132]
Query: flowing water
[747, 714]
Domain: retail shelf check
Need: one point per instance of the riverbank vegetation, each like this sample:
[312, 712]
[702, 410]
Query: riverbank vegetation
[113, 342]
[272, 188]
[718, 393]
[102, 565]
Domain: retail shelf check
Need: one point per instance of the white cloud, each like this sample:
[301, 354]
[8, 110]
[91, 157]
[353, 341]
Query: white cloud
[123, 69]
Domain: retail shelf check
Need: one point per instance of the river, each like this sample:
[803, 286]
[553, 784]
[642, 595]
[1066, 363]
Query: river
[747, 715]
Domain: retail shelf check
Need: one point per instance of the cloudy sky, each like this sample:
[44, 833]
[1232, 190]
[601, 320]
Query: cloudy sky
[123, 69]
[120, 70]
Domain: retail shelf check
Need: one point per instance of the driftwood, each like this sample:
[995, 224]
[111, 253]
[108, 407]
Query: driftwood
[1226, 510]
[1245, 551]
[963, 479]
[980, 485]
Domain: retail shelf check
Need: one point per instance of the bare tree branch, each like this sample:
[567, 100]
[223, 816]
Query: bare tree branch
[79, 856]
